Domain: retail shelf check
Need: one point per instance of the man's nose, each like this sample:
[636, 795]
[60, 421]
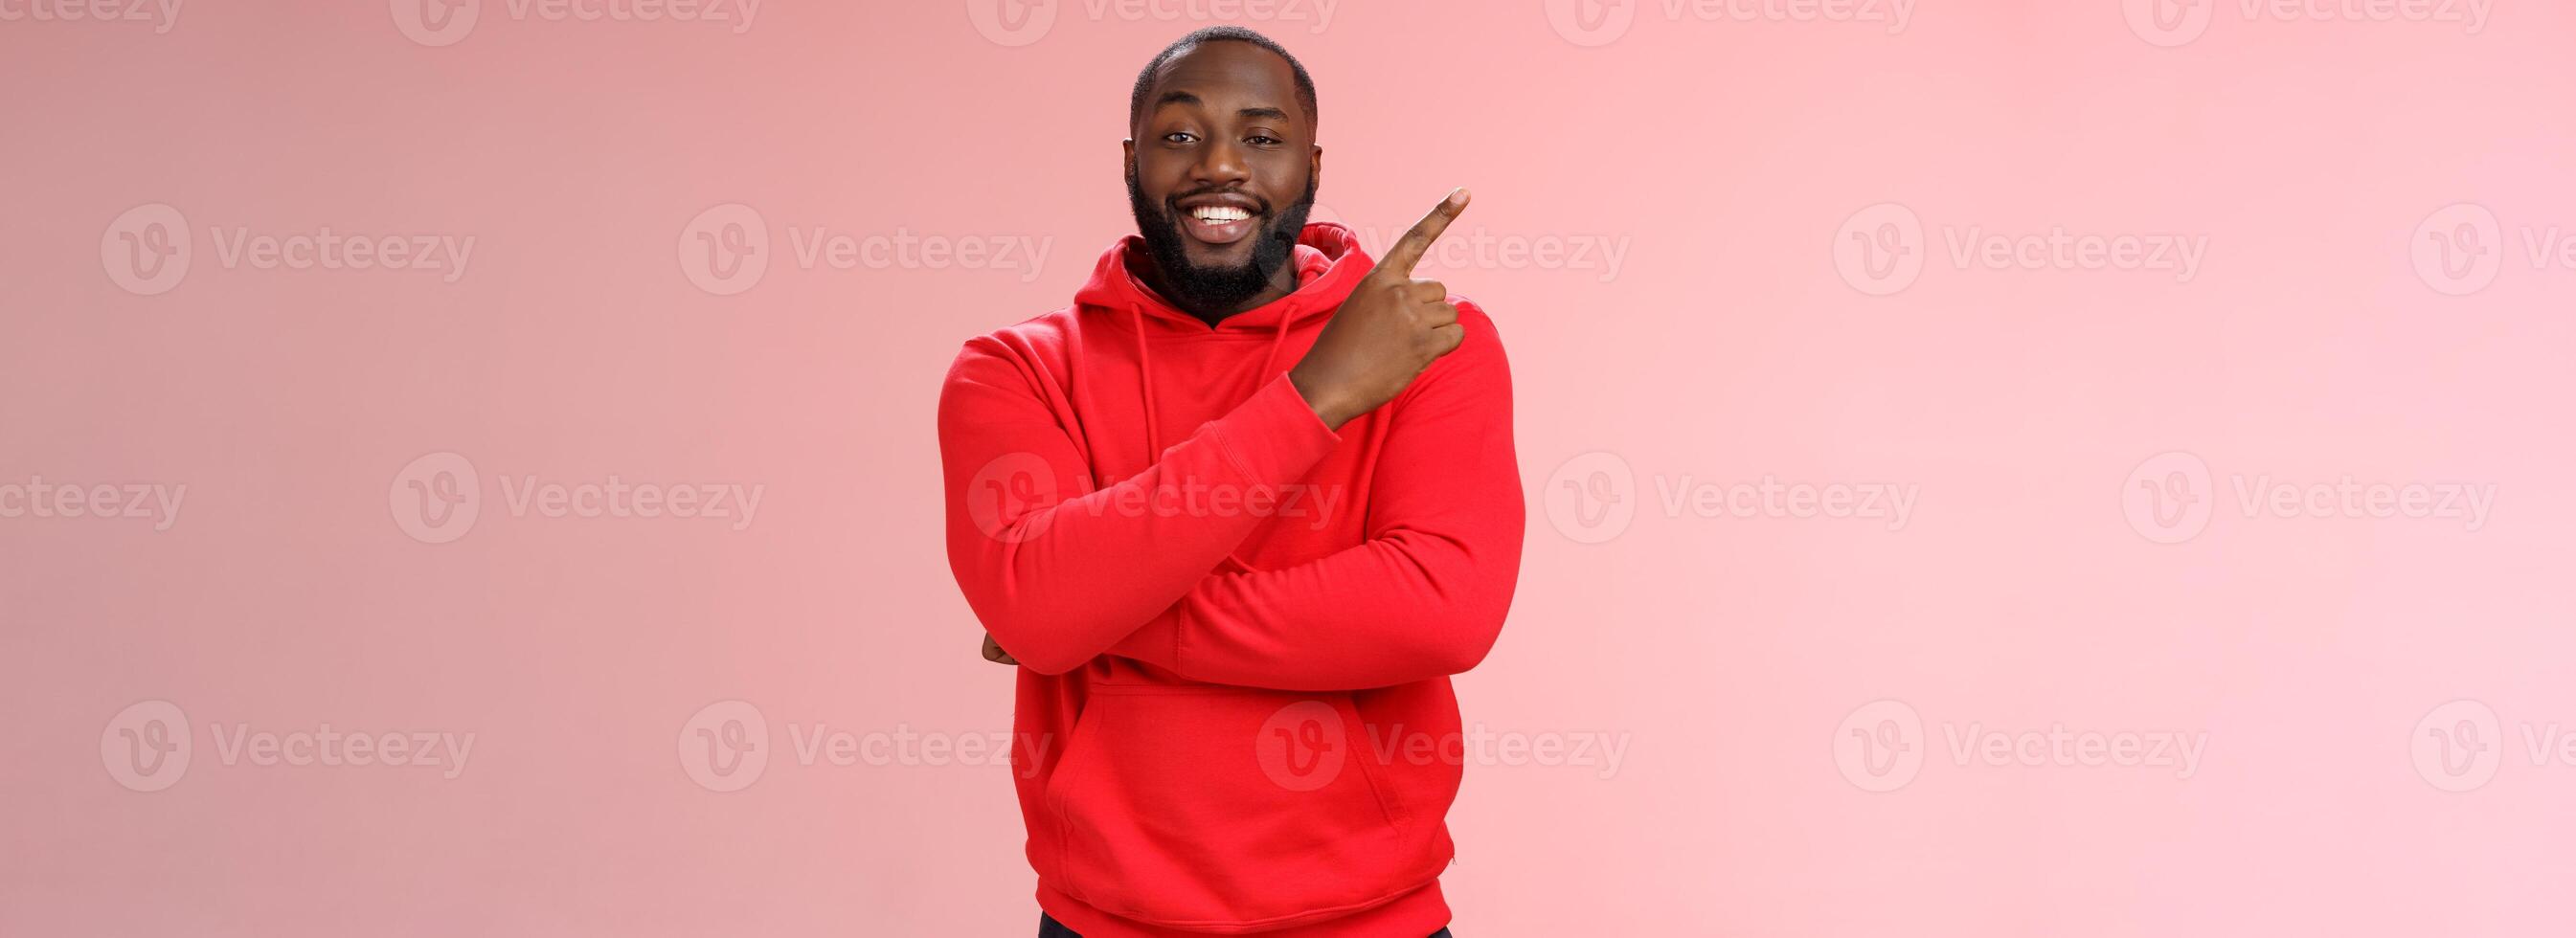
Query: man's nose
[1220, 165]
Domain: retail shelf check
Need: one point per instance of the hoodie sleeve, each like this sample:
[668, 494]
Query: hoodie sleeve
[1423, 596]
[1059, 570]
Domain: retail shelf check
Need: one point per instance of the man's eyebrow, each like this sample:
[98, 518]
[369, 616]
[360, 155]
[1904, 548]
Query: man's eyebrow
[1184, 97]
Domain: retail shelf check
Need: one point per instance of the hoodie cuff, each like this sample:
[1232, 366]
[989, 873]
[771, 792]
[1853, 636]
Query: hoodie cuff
[1275, 437]
[1158, 643]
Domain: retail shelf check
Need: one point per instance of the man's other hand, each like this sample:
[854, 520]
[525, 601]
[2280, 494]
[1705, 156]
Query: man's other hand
[993, 651]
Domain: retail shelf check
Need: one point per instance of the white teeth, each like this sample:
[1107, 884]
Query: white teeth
[1219, 213]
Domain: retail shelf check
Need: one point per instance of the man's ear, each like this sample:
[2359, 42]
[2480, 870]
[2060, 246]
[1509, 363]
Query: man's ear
[1129, 145]
[1315, 166]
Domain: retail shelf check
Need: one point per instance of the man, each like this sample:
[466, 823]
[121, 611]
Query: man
[1237, 513]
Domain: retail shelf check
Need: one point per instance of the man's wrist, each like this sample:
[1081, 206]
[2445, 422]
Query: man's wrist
[1321, 402]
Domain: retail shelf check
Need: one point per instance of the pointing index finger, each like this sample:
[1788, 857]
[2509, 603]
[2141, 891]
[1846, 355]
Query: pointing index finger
[1408, 250]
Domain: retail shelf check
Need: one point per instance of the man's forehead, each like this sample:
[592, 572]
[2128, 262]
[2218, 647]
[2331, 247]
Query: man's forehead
[1245, 74]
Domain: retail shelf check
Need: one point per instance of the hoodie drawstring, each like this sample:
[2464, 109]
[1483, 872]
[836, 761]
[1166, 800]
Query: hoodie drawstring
[1279, 337]
[1145, 367]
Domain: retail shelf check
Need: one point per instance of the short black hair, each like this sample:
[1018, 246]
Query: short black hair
[1145, 78]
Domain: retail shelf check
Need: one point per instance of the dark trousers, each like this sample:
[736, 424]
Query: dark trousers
[1048, 927]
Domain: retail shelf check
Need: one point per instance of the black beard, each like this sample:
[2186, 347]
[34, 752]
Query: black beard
[1213, 293]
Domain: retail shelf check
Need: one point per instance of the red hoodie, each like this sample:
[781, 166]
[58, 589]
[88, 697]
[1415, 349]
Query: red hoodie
[1235, 626]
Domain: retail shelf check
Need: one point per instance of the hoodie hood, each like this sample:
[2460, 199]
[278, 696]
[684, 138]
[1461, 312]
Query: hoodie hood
[1329, 264]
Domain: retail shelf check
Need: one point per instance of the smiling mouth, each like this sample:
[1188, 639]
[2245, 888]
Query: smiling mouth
[1217, 224]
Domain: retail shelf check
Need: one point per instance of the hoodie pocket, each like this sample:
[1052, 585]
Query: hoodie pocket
[1200, 806]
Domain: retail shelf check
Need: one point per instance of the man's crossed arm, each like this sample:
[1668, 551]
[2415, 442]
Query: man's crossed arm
[1058, 583]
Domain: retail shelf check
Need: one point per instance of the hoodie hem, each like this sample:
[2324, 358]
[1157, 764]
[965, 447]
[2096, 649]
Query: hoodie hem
[1415, 910]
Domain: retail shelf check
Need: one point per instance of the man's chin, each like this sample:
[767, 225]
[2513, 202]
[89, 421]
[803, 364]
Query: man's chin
[1213, 257]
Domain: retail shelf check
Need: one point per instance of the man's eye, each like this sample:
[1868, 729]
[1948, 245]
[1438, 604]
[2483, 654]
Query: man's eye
[1263, 139]
[1179, 136]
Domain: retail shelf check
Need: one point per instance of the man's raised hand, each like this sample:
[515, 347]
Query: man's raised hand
[1390, 328]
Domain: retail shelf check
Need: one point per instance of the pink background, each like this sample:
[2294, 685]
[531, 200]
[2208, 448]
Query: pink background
[2029, 587]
